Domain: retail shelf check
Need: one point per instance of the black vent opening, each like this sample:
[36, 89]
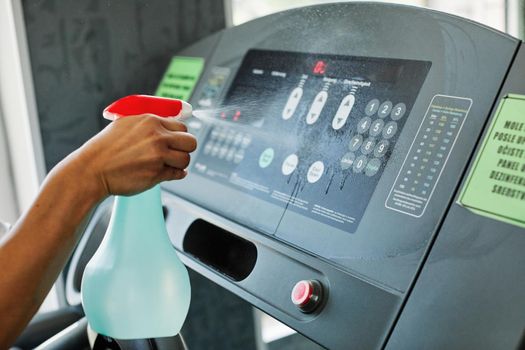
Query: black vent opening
[221, 250]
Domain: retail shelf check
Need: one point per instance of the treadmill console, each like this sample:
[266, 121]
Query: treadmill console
[333, 141]
[311, 132]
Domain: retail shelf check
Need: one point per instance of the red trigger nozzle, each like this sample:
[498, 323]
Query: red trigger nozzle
[144, 104]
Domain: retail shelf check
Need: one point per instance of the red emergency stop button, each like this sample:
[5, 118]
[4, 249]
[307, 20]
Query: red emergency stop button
[307, 294]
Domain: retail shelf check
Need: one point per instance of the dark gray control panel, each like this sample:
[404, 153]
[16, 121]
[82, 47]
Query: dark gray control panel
[335, 140]
[345, 114]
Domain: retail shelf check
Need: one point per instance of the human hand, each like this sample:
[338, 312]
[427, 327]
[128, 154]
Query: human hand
[133, 154]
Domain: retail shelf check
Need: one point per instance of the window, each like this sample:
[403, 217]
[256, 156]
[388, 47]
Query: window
[488, 12]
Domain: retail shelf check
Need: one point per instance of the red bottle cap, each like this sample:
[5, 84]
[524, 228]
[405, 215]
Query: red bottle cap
[144, 104]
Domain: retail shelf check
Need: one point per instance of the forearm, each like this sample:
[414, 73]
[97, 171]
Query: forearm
[39, 245]
[127, 157]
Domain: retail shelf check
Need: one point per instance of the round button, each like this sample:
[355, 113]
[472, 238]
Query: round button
[222, 151]
[389, 130]
[359, 164]
[381, 148]
[398, 111]
[372, 167]
[301, 292]
[307, 295]
[355, 143]
[363, 125]
[230, 154]
[214, 133]
[239, 156]
[376, 127]
[290, 164]
[222, 135]
[347, 161]
[368, 146]
[246, 140]
[371, 107]
[384, 109]
[237, 139]
[266, 157]
[208, 147]
[215, 149]
[229, 136]
[315, 172]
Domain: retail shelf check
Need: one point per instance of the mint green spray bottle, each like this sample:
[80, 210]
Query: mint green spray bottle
[135, 286]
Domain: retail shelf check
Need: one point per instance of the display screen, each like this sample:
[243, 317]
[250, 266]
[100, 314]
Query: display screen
[311, 132]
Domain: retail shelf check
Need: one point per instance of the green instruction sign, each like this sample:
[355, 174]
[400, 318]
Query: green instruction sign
[495, 186]
[181, 77]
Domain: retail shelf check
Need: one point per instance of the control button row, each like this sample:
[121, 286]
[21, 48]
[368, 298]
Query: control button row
[230, 136]
[317, 106]
[385, 109]
[317, 169]
[315, 172]
[377, 127]
[223, 151]
[358, 164]
[368, 145]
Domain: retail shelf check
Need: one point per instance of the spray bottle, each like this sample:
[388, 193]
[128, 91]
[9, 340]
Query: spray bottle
[135, 286]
